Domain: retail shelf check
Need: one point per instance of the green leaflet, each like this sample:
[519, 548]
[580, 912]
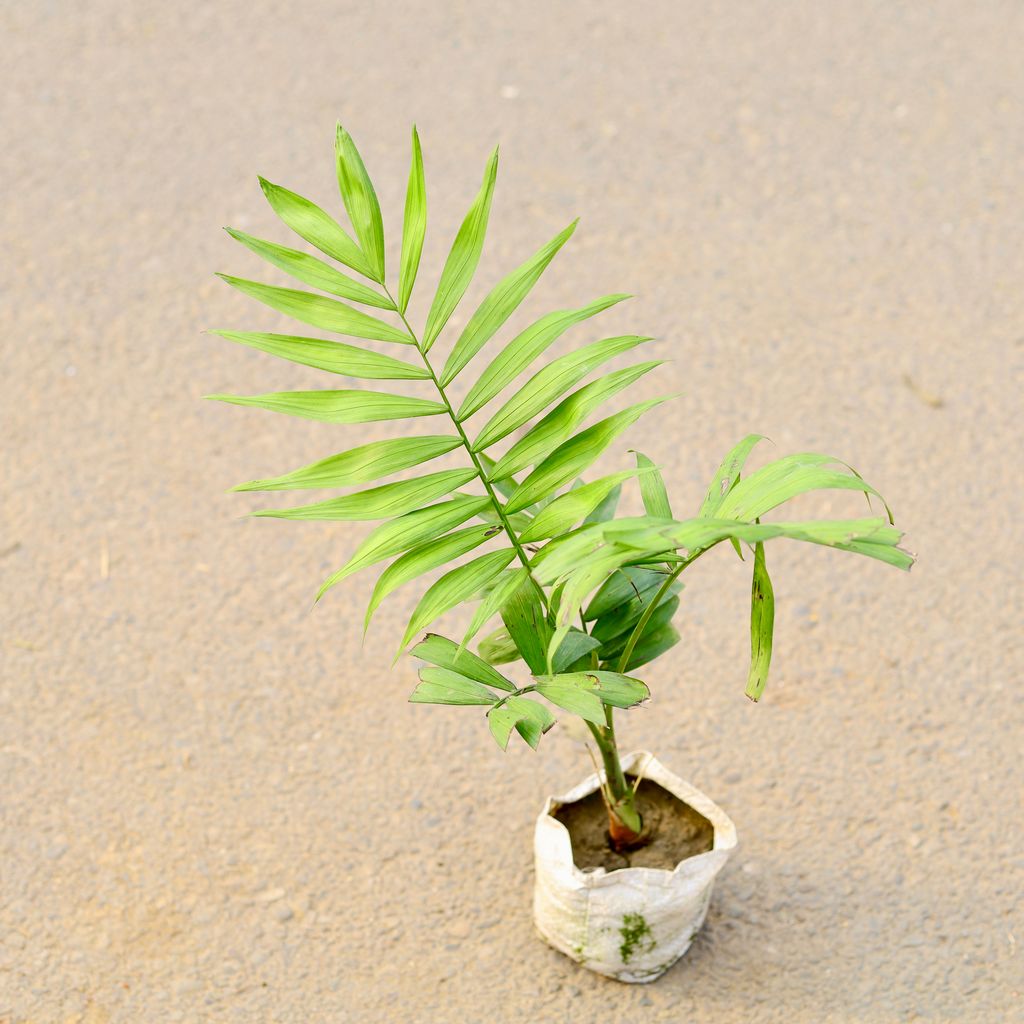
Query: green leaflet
[378, 502]
[570, 508]
[652, 489]
[573, 456]
[524, 618]
[498, 647]
[762, 621]
[359, 465]
[398, 535]
[414, 225]
[524, 348]
[308, 221]
[443, 686]
[785, 478]
[338, 406]
[575, 646]
[652, 645]
[327, 314]
[499, 305]
[463, 258]
[575, 698]
[615, 628]
[360, 201]
[453, 588]
[727, 475]
[607, 508]
[621, 587]
[530, 719]
[423, 559]
[492, 603]
[445, 653]
[606, 687]
[550, 383]
[545, 436]
[312, 271]
[332, 356]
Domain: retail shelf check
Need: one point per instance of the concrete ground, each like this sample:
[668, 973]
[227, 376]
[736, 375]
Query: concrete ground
[216, 805]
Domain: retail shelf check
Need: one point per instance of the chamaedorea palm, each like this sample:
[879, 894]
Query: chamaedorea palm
[553, 552]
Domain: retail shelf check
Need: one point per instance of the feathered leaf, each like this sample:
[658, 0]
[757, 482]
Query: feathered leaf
[308, 221]
[414, 226]
[524, 348]
[378, 502]
[359, 465]
[312, 271]
[570, 508]
[571, 457]
[360, 201]
[338, 406]
[332, 356]
[463, 258]
[327, 314]
[499, 305]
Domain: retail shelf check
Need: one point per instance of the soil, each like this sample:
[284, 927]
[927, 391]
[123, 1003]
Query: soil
[672, 831]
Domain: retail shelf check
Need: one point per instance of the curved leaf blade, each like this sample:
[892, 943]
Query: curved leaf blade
[550, 383]
[575, 698]
[568, 509]
[312, 271]
[359, 465]
[414, 225]
[405, 532]
[762, 621]
[439, 650]
[360, 201]
[557, 426]
[530, 719]
[652, 489]
[332, 356]
[524, 348]
[500, 304]
[338, 406]
[463, 258]
[318, 311]
[309, 222]
[494, 601]
[453, 588]
[444, 686]
[377, 502]
[726, 476]
[571, 457]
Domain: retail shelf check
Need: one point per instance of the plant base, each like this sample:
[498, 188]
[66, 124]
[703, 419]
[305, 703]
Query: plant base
[634, 922]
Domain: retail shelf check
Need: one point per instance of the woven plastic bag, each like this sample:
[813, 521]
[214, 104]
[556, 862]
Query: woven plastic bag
[631, 924]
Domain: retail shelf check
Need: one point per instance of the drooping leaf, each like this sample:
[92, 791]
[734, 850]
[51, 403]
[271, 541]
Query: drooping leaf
[423, 559]
[550, 383]
[359, 465]
[414, 226]
[360, 201]
[312, 271]
[332, 356]
[318, 311]
[530, 719]
[308, 221]
[570, 508]
[575, 646]
[453, 588]
[652, 489]
[445, 653]
[405, 532]
[762, 621]
[443, 686]
[524, 348]
[575, 698]
[573, 456]
[378, 502]
[727, 475]
[614, 688]
[338, 406]
[499, 305]
[463, 258]
[524, 618]
[506, 586]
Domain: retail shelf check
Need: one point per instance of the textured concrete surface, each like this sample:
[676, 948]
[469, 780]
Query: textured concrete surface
[217, 806]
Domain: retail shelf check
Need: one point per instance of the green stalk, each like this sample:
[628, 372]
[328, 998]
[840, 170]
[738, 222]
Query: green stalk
[499, 508]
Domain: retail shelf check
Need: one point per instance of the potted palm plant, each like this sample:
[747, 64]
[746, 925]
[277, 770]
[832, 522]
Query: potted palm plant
[570, 600]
